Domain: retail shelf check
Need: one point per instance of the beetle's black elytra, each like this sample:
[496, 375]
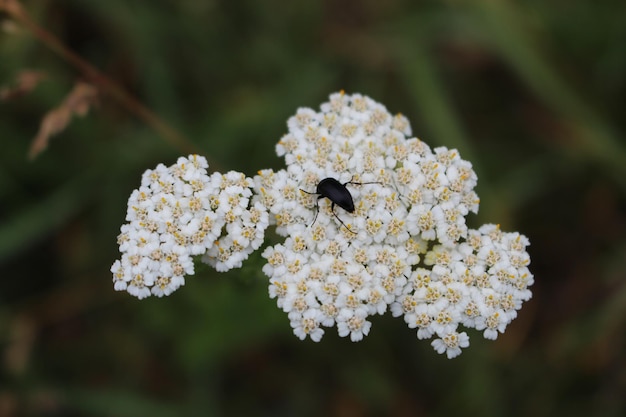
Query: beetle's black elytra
[338, 194]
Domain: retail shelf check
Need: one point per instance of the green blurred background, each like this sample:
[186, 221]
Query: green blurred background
[532, 92]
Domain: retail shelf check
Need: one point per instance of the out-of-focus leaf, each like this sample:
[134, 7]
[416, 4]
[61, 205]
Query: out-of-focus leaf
[429, 94]
[33, 223]
[121, 403]
[591, 133]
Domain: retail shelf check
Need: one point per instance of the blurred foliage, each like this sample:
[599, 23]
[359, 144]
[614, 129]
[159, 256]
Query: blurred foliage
[531, 92]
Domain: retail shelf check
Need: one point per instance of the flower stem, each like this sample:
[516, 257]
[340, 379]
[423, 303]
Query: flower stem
[104, 84]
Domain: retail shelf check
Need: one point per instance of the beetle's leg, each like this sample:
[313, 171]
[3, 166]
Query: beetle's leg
[317, 208]
[317, 205]
[332, 208]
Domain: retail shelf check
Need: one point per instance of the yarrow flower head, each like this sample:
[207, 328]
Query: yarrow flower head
[373, 220]
[405, 247]
[179, 212]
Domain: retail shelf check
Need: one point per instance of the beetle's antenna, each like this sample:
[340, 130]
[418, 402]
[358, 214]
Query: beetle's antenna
[400, 195]
[361, 183]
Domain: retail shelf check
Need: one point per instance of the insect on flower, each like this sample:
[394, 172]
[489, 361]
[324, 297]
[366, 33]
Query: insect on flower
[338, 194]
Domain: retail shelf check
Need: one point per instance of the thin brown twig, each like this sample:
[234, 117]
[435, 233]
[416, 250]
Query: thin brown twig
[105, 84]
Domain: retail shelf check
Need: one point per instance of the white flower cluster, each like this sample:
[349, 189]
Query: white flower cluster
[179, 212]
[373, 219]
[479, 283]
[405, 245]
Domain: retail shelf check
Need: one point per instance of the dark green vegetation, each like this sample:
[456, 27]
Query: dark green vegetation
[531, 92]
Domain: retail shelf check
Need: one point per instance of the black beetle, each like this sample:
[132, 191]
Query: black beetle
[338, 194]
